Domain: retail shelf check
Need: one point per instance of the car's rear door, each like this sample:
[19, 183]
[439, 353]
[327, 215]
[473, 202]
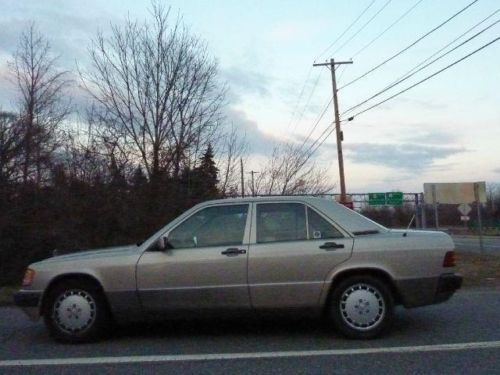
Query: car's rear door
[206, 266]
[293, 249]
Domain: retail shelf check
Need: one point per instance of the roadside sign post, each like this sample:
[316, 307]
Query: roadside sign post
[435, 203]
[479, 221]
[464, 210]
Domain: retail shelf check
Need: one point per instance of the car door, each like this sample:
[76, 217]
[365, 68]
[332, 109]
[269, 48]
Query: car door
[205, 266]
[292, 251]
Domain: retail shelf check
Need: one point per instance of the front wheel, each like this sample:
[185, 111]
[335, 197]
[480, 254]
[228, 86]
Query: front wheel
[75, 311]
[362, 307]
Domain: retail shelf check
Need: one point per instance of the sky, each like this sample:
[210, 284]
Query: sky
[444, 130]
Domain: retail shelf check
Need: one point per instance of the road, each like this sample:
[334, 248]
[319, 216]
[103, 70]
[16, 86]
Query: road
[471, 243]
[459, 336]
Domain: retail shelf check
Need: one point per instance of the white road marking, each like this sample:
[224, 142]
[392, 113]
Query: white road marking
[257, 355]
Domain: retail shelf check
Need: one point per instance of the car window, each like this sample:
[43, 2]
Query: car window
[281, 222]
[319, 228]
[212, 226]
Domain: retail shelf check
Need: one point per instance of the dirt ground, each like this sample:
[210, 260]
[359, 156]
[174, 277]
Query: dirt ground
[479, 270]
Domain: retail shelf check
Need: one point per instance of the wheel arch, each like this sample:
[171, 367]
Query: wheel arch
[378, 273]
[84, 277]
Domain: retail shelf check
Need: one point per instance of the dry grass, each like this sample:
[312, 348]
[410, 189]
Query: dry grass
[6, 293]
[479, 270]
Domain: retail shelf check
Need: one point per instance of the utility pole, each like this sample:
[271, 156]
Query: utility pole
[340, 137]
[242, 179]
[253, 185]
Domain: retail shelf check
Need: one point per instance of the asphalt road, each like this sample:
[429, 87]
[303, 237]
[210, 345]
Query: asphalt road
[459, 336]
[471, 243]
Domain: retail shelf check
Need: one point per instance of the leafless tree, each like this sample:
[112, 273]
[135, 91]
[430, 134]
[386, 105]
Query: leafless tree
[156, 87]
[41, 105]
[10, 145]
[233, 147]
[290, 170]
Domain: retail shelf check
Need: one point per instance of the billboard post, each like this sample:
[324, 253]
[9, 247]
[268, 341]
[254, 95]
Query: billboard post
[479, 221]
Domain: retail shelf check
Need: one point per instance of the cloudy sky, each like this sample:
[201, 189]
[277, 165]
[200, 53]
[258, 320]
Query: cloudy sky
[444, 130]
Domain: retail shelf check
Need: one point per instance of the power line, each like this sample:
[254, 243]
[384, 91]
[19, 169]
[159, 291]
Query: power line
[363, 27]
[449, 44]
[409, 46]
[300, 97]
[387, 28]
[305, 105]
[411, 74]
[316, 123]
[345, 31]
[426, 78]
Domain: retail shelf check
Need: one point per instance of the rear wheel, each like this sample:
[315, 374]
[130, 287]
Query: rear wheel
[75, 311]
[362, 307]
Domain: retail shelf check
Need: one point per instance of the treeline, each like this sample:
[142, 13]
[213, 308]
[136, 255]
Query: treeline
[146, 141]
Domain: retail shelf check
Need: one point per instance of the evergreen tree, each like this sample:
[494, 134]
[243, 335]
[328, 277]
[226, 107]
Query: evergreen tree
[205, 177]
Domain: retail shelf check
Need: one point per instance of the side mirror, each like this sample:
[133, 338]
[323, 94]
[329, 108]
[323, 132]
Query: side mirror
[162, 243]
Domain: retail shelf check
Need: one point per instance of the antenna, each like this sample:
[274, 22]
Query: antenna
[409, 225]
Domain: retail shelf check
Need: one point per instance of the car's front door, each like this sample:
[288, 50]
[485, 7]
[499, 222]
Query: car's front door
[294, 249]
[205, 266]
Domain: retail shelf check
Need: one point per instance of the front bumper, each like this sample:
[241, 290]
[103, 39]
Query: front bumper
[29, 301]
[427, 291]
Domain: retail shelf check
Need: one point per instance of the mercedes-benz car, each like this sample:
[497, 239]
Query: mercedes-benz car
[247, 255]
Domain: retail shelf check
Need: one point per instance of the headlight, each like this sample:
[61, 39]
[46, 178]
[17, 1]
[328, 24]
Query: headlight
[29, 275]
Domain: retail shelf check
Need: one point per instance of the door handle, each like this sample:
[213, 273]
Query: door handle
[233, 251]
[331, 246]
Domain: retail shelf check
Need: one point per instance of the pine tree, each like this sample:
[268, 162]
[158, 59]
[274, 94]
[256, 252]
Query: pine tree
[205, 179]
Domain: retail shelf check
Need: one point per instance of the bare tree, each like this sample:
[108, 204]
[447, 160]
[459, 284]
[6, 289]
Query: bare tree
[10, 145]
[41, 105]
[290, 170]
[233, 147]
[156, 87]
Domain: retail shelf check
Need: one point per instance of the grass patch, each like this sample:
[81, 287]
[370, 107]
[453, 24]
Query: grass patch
[6, 293]
[479, 270]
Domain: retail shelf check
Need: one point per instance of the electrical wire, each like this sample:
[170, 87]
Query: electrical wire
[299, 118]
[362, 27]
[300, 97]
[411, 74]
[345, 31]
[426, 78]
[387, 29]
[316, 123]
[410, 45]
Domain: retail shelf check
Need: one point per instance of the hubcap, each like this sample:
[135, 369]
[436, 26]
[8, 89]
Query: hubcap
[362, 307]
[74, 311]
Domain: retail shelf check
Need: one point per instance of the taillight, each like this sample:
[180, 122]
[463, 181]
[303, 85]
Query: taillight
[450, 259]
[29, 275]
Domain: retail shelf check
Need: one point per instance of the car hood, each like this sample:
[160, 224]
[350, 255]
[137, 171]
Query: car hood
[94, 254]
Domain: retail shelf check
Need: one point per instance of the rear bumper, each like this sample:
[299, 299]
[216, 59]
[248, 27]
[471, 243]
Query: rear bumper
[29, 302]
[447, 285]
[427, 291]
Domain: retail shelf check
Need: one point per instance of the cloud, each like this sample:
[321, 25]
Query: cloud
[244, 82]
[400, 156]
[258, 141]
[435, 136]
[496, 170]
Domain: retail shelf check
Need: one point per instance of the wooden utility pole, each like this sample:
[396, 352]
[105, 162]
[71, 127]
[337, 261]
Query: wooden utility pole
[253, 185]
[331, 65]
[242, 178]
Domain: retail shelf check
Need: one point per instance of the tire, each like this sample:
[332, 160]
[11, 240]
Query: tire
[361, 307]
[75, 311]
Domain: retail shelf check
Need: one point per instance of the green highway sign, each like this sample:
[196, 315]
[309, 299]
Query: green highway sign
[376, 199]
[394, 198]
